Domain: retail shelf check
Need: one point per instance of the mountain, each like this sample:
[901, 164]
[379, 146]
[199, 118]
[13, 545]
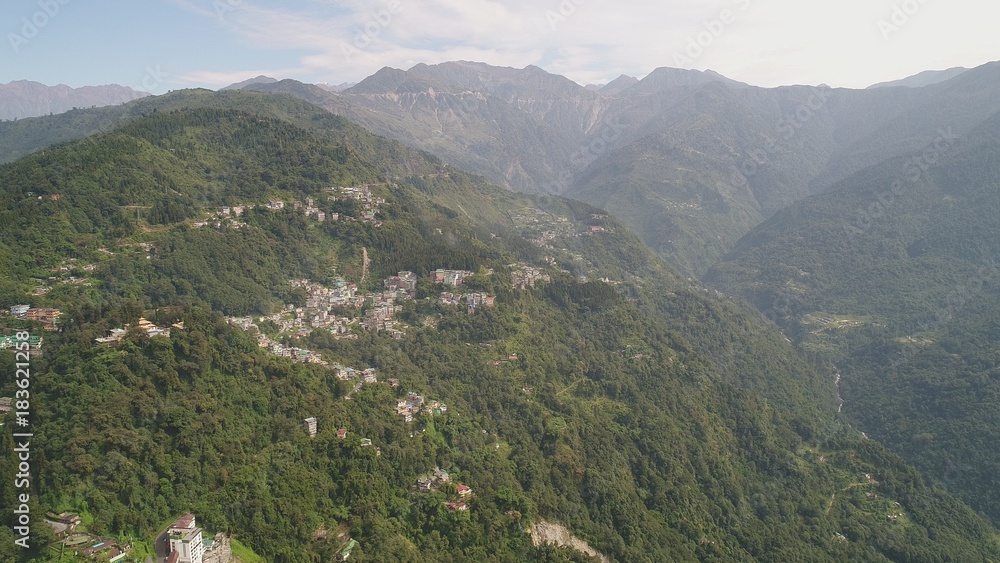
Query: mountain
[25, 136]
[462, 111]
[618, 84]
[665, 79]
[925, 78]
[261, 79]
[916, 118]
[24, 98]
[650, 418]
[892, 274]
[627, 147]
[534, 131]
[690, 160]
[674, 173]
[336, 87]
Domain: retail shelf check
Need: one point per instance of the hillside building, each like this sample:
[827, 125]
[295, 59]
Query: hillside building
[185, 540]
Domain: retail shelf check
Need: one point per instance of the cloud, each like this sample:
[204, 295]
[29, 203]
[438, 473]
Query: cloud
[766, 42]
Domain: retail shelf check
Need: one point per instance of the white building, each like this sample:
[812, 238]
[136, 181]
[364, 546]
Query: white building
[185, 541]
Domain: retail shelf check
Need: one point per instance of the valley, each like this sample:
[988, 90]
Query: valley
[765, 333]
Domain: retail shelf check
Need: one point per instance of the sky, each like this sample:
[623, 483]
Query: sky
[162, 45]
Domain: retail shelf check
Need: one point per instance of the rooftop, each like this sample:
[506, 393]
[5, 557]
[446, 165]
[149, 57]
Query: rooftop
[185, 521]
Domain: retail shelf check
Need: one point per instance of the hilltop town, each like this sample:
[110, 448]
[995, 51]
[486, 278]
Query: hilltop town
[357, 204]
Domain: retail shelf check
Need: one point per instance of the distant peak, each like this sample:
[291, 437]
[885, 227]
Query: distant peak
[618, 84]
[335, 87]
[925, 78]
[27, 98]
[260, 79]
[668, 77]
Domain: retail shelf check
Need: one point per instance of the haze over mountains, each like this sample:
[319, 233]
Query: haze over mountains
[653, 416]
[655, 420]
[894, 274]
[925, 78]
[863, 221]
[23, 98]
[690, 160]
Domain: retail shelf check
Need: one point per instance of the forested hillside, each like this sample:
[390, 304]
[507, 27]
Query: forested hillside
[691, 161]
[564, 375]
[893, 274]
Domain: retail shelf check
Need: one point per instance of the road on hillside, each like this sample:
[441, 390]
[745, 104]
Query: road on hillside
[160, 545]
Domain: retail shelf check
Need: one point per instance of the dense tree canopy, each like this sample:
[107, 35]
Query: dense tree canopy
[653, 420]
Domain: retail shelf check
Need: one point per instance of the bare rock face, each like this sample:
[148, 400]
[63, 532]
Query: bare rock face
[547, 532]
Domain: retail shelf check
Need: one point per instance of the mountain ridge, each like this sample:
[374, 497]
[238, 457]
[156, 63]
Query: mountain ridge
[25, 98]
[794, 143]
[259, 79]
[892, 274]
[921, 79]
[759, 148]
[648, 417]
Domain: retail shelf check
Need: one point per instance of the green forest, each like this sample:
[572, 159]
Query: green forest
[652, 419]
[910, 261]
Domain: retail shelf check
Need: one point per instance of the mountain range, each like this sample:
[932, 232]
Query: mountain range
[925, 78]
[608, 397]
[893, 274]
[23, 98]
[690, 160]
[862, 224]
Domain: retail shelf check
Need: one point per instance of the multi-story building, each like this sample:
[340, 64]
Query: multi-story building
[46, 316]
[405, 281]
[185, 541]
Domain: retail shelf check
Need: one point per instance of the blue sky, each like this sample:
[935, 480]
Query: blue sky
[159, 45]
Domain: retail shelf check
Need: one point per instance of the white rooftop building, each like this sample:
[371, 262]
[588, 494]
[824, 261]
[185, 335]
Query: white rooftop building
[185, 541]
